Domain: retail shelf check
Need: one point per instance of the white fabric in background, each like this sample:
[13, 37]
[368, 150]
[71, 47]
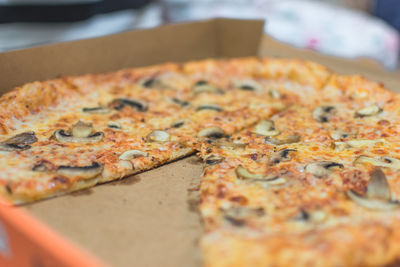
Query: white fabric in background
[309, 24]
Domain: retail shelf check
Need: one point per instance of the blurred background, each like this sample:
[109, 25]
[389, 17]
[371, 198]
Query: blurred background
[344, 28]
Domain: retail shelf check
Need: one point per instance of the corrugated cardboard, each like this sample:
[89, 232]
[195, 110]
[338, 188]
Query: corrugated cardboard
[148, 219]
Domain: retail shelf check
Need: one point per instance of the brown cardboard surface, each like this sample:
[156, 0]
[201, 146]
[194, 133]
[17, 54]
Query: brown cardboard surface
[143, 220]
[146, 220]
[175, 42]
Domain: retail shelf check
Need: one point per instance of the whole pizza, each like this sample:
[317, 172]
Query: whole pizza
[301, 165]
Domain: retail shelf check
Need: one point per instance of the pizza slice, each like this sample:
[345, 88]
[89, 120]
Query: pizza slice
[309, 203]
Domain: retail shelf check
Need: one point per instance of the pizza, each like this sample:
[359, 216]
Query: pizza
[301, 165]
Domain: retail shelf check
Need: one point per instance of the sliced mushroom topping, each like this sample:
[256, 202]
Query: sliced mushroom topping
[132, 154]
[322, 168]
[283, 141]
[319, 216]
[378, 186]
[85, 172]
[301, 215]
[39, 168]
[153, 82]
[388, 162]
[120, 103]
[97, 110]
[178, 123]
[62, 136]
[357, 143]
[368, 111]
[213, 159]
[378, 196]
[43, 166]
[247, 85]
[181, 103]
[372, 204]
[323, 113]
[266, 128]
[204, 87]
[158, 136]
[274, 94]
[209, 107]
[237, 216]
[81, 129]
[201, 82]
[280, 156]
[212, 132]
[19, 142]
[315, 216]
[80, 133]
[244, 174]
[338, 134]
[114, 125]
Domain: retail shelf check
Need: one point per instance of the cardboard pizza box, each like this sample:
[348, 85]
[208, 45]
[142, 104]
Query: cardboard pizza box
[147, 219]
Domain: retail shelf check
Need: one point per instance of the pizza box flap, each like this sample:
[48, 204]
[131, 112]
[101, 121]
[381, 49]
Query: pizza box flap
[175, 42]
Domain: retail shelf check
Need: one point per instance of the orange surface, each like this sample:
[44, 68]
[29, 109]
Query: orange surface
[24, 241]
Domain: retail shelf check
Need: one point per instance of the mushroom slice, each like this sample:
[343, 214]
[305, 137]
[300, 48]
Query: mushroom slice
[97, 110]
[357, 143]
[84, 172]
[378, 196]
[43, 166]
[265, 128]
[209, 107]
[368, 111]
[148, 83]
[378, 186]
[338, 134]
[323, 113]
[274, 94]
[237, 216]
[114, 125]
[213, 159]
[204, 87]
[281, 155]
[154, 83]
[81, 129]
[132, 154]
[178, 124]
[39, 168]
[283, 141]
[63, 137]
[181, 103]
[322, 168]
[372, 204]
[212, 132]
[120, 103]
[158, 136]
[387, 162]
[244, 174]
[247, 85]
[19, 142]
